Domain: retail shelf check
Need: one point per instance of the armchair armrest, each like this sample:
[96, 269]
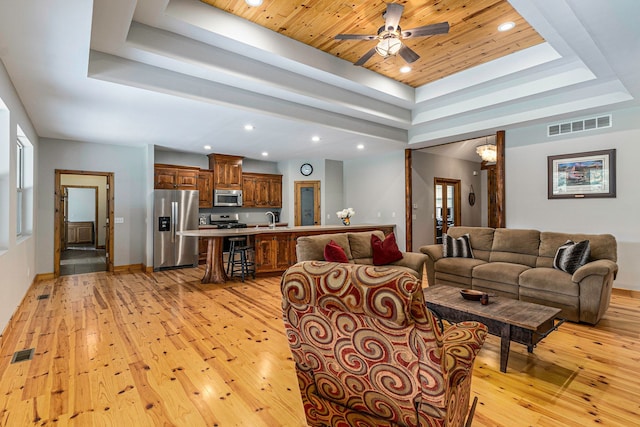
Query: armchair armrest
[412, 260]
[600, 267]
[461, 343]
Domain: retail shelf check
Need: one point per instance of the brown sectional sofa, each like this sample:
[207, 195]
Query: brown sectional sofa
[357, 246]
[518, 264]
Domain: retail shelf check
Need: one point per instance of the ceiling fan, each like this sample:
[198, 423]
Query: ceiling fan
[390, 35]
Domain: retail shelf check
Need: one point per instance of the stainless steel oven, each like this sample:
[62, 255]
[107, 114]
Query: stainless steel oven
[227, 198]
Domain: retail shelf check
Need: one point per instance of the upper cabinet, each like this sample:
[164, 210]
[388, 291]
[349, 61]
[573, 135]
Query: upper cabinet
[261, 190]
[205, 186]
[170, 177]
[227, 171]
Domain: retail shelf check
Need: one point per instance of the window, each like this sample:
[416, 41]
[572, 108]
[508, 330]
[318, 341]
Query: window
[24, 185]
[20, 187]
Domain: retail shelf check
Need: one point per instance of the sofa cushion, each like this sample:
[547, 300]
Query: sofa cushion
[481, 239]
[549, 280]
[571, 256]
[502, 272]
[334, 253]
[457, 248]
[385, 251]
[360, 243]
[458, 266]
[603, 246]
[515, 246]
[311, 248]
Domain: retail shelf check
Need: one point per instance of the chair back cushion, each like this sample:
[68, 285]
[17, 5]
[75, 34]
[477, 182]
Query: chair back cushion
[481, 239]
[603, 246]
[365, 334]
[311, 248]
[515, 246]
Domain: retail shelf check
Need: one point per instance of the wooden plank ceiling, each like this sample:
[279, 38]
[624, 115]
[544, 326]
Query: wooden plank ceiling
[473, 38]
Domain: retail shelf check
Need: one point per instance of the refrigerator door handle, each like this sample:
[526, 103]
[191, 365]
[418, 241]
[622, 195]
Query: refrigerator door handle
[174, 220]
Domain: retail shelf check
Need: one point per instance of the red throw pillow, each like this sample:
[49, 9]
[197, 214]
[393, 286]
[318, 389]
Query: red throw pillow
[333, 252]
[385, 251]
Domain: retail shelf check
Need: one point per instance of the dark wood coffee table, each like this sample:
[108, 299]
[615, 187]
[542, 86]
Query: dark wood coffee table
[512, 320]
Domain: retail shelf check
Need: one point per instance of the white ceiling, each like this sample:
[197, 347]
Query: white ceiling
[181, 74]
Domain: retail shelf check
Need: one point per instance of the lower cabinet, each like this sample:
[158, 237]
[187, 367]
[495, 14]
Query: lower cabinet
[274, 252]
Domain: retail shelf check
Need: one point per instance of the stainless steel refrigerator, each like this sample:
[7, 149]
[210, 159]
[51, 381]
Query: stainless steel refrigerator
[174, 210]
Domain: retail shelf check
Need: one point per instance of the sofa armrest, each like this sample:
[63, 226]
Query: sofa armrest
[460, 344]
[433, 253]
[600, 267]
[412, 260]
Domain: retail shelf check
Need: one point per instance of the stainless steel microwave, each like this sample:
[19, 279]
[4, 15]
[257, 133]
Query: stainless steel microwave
[227, 198]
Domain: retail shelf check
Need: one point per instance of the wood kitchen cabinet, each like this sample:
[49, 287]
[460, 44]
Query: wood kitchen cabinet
[205, 187]
[170, 177]
[261, 190]
[274, 252]
[227, 171]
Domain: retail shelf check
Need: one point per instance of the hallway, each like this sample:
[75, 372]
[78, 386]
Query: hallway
[78, 259]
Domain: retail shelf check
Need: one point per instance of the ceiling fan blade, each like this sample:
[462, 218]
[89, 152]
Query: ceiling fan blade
[427, 30]
[407, 54]
[392, 16]
[365, 57]
[354, 37]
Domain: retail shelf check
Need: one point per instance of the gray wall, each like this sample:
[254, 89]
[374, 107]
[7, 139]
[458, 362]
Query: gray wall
[375, 188]
[527, 205]
[17, 255]
[426, 167]
[129, 165]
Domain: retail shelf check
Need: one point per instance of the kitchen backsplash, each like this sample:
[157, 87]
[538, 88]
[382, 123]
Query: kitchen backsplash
[247, 215]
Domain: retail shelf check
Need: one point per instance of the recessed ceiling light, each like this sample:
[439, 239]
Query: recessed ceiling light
[265, 154]
[360, 147]
[405, 69]
[315, 138]
[207, 147]
[253, 3]
[248, 127]
[506, 26]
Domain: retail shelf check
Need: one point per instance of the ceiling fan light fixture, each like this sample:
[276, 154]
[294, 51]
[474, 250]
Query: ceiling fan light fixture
[488, 152]
[253, 3]
[388, 46]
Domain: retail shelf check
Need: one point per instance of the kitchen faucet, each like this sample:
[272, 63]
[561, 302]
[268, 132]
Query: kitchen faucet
[272, 223]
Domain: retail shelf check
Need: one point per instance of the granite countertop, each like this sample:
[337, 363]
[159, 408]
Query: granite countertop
[249, 231]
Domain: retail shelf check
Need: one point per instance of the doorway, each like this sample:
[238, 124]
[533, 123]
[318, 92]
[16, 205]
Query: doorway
[307, 203]
[446, 206]
[83, 235]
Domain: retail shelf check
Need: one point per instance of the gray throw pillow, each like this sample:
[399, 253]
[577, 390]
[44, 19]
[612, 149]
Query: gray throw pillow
[571, 256]
[459, 248]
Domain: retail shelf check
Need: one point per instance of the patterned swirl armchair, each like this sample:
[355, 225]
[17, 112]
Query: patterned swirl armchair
[368, 353]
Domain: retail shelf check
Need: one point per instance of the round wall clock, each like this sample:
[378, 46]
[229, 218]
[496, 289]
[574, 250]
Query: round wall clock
[306, 169]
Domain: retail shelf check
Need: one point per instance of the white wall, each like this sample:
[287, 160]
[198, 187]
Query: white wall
[374, 187]
[129, 165]
[527, 205]
[334, 192]
[426, 167]
[17, 255]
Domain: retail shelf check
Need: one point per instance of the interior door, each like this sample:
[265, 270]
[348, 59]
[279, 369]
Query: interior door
[307, 203]
[447, 211]
[65, 218]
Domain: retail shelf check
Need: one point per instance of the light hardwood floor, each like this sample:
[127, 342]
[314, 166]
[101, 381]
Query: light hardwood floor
[161, 349]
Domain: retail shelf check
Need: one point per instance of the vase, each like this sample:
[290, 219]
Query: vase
[346, 221]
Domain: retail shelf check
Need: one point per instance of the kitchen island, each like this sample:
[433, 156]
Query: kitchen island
[274, 247]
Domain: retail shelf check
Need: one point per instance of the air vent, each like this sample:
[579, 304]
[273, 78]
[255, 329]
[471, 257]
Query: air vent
[579, 125]
[22, 355]
[43, 296]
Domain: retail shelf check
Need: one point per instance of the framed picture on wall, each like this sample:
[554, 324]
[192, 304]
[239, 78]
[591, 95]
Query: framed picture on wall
[582, 175]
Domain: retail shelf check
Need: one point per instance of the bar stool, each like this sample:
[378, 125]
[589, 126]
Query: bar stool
[245, 265]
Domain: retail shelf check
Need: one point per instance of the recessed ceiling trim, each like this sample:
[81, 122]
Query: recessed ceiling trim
[510, 64]
[216, 27]
[122, 71]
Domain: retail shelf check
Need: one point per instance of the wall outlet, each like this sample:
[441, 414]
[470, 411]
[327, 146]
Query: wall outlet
[118, 220]
[379, 214]
[415, 206]
[393, 214]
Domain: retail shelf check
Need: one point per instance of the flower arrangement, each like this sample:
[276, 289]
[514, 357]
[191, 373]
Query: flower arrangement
[345, 215]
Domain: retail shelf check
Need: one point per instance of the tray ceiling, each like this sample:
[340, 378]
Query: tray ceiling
[473, 38]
